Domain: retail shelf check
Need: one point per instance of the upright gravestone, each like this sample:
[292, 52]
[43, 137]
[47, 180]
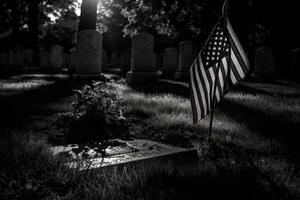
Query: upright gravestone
[66, 62]
[125, 60]
[170, 61]
[28, 57]
[187, 54]
[104, 58]
[115, 61]
[295, 63]
[3, 59]
[45, 58]
[143, 61]
[17, 56]
[89, 53]
[264, 62]
[57, 56]
[160, 60]
[73, 61]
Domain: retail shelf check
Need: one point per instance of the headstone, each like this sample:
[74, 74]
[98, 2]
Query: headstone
[295, 63]
[73, 61]
[57, 56]
[104, 58]
[125, 60]
[17, 56]
[170, 61]
[186, 56]
[264, 62]
[66, 62]
[115, 60]
[143, 61]
[45, 58]
[3, 59]
[89, 53]
[28, 57]
[160, 60]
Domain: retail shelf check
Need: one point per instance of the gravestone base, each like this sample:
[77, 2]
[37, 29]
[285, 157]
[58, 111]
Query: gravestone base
[79, 77]
[121, 152]
[181, 75]
[140, 77]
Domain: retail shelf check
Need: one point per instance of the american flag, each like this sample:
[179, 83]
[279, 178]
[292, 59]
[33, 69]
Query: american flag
[222, 61]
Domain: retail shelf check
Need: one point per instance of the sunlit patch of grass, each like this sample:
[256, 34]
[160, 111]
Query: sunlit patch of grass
[239, 120]
[273, 104]
[244, 149]
[30, 171]
[13, 87]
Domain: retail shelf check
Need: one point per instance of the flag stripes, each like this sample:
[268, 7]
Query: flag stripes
[221, 62]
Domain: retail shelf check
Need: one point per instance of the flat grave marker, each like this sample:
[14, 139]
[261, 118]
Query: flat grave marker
[86, 157]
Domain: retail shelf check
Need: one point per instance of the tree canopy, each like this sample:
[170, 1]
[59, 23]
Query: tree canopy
[258, 22]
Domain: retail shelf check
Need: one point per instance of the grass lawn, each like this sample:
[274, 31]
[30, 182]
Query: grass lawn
[254, 153]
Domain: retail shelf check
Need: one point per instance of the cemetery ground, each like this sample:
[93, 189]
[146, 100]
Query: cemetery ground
[254, 152]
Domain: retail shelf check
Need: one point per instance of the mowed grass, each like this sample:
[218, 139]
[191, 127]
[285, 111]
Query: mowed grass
[258, 130]
[253, 153]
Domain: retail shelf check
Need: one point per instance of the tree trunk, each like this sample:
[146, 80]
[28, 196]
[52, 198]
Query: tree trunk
[33, 21]
[88, 15]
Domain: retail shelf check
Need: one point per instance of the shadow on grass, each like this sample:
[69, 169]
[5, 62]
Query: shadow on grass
[255, 91]
[163, 87]
[16, 108]
[270, 125]
[198, 184]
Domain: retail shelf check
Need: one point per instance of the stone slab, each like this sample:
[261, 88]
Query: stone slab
[85, 157]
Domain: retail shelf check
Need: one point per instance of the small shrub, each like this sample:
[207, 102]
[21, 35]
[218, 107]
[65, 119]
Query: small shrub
[98, 114]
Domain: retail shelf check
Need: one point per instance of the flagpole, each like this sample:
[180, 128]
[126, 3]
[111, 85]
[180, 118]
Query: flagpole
[224, 12]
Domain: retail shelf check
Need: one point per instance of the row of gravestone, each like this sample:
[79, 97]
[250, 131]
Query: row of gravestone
[176, 63]
[18, 57]
[140, 63]
[265, 64]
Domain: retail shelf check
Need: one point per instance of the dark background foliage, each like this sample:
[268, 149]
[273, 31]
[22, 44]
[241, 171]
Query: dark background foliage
[257, 22]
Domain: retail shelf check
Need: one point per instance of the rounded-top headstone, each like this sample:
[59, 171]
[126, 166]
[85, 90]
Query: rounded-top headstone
[45, 58]
[89, 52]
[3, 59]
[104, 58]
[17, 56]
[186, 56]
[143, 57]
[142, 42]
[57, 56]
[170, 60]
[295, 62]
[28, 57]
[264, 61]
